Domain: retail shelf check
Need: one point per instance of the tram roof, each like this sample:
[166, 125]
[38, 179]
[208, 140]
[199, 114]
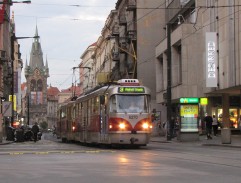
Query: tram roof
[100, 90]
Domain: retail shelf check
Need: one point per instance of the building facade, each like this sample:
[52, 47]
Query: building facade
[204, 43]
[5, 59]
[86, 69]
[52, 98]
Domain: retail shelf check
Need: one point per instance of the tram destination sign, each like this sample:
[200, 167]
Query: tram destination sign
[131, 90]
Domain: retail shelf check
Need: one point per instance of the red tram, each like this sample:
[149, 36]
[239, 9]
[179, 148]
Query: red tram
[115, 114]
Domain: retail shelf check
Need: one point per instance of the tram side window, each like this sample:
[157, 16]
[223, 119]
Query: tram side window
[113, 104]
[96, 105]
[74, 113]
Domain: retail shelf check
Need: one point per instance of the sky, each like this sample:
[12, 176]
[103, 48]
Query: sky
[65, 32]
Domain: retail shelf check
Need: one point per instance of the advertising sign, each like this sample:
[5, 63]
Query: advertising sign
[14, 101]
[211, 59]
[189, 118]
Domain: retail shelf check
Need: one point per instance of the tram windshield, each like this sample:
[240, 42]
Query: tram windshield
[129, 103]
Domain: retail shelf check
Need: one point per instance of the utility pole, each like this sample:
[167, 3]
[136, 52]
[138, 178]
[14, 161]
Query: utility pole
[12, 65]
[28, 103]
[169, 83]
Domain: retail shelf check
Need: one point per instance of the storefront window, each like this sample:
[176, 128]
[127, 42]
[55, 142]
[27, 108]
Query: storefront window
[233, 117]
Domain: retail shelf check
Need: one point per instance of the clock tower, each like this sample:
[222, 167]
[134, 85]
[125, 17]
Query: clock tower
[36, 74]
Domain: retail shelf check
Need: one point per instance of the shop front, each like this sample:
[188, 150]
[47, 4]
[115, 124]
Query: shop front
[234, 113]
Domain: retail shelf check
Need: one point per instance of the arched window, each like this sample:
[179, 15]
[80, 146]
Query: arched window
[33, 85]
[39, 85]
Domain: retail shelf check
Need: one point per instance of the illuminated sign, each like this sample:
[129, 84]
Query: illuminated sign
[211, 59]
[131, 90]
[14, 101]
[189, 118]
[204, 101]
[189, 100]
[189, 111]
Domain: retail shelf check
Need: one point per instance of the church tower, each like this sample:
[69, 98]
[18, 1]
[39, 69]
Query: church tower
[36, 74]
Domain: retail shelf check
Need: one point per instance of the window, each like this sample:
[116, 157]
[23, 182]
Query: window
[113, 103]
[160, 74]
[132, 103]
[177, 65]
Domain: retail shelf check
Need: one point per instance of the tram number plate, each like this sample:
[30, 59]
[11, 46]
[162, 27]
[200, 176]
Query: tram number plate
[133, 117]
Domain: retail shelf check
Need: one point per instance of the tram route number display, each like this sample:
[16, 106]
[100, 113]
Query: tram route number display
[131, 90]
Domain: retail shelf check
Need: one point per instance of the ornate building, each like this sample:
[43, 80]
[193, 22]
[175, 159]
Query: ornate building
[36, 74]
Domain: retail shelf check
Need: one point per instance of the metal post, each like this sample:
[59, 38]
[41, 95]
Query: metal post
[169, 82]
[12, 64]
[28, 109]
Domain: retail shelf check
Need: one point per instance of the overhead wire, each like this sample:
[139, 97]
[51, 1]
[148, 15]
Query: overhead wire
[153, 9]
[71, 5]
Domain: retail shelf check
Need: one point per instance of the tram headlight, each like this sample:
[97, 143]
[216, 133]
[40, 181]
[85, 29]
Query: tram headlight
[110, 126]
[145, 125]
[122, 126]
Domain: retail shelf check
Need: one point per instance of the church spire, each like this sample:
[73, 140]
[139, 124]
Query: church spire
[36, 35]
[46, 67]
[46, 64]
[26, 63]
[36, 31]
[36, 55]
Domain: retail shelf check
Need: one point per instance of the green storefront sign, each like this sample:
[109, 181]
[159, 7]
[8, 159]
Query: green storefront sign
[189, 100]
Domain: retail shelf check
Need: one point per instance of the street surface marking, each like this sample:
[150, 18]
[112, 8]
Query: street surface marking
[57, 152]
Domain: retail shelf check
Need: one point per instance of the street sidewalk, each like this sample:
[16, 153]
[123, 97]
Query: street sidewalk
[215, 141]
[5, 142]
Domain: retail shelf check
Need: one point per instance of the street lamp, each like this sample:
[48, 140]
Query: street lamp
[11, 2]
[22, 120]
[82, 67]
[14, 38]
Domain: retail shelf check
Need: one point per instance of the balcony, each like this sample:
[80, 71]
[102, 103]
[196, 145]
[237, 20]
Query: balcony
[115, 56]
[132, 34]
[115, 30]
[3, 56]
[122, 20]
[123, 47]
[131, 5]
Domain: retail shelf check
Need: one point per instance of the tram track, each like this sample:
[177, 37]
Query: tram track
[193, 156]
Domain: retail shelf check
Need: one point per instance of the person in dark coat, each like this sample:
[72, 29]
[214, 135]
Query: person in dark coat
[208, 120]
[35, 130]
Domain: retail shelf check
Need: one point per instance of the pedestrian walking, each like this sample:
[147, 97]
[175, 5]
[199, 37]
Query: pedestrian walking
[239, 123]
[215, 125]
[208, 120]
[35, 130]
